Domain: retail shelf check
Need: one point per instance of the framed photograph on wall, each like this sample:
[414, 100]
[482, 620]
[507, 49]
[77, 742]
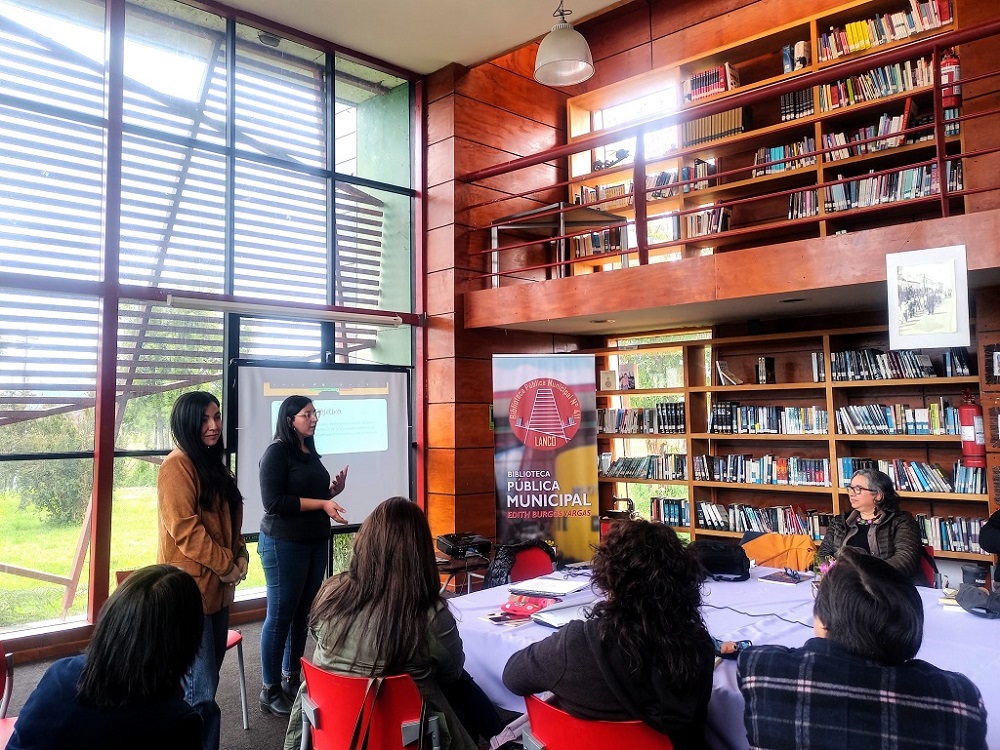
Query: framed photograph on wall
[928, 298]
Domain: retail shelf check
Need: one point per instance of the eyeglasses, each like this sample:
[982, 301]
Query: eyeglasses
[857, 490]
[308, 415]
[793, 574]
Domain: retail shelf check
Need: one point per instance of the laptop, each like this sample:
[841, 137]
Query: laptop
[555, 616]
[543, 586]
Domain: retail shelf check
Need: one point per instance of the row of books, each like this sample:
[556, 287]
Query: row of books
[709, 82]
[714, 127]
[666, 418]
[794, 56]
[670, 510]
[796, 104]
[661, 466]
[708, 221]
[803, 203]
[937, 418]
[891, 187]
[779, 519]
[957, 363]
[769, 160]
[875, 364]
[620, 192]
[968, 480]
[598, 243]
[766, 469]
[730, 418]
[951, 533]
[857, 36]
[876, 83]
[841, 145]
[909, 476]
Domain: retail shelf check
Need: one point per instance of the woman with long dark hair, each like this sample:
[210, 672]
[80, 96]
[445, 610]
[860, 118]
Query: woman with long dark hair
[644, 653]
[201, 514]
[294, 545]
[124, 692]
[386, 616]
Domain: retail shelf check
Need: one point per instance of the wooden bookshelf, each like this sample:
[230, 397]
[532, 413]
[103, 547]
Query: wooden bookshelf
[824, 183]
[794, 357]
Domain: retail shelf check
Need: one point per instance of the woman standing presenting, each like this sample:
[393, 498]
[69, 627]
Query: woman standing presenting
[294, 545]
[201, 513]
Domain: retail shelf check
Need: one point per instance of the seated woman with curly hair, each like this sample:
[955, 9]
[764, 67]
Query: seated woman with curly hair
[644, 653]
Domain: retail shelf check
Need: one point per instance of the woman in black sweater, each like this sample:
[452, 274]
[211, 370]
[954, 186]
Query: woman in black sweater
[644, 653]
[294, 545]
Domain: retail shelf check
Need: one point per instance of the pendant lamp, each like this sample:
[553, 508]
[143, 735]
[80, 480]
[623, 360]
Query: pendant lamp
[563, 56]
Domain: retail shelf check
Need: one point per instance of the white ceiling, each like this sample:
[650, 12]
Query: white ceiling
[423, 35]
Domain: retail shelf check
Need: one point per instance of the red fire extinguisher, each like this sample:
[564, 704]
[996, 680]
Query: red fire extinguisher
[951, 72]
[970, 421]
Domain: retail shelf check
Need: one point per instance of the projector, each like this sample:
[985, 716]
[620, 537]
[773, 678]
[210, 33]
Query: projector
[464, 544]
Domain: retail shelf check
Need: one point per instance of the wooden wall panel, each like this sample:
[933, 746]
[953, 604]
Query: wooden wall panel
[440, 336]
[441, 292]
[477, 156]
[441, 162]
[624, 29]
[478, 513]
[440, 120]
[516, 94]
[491, 126]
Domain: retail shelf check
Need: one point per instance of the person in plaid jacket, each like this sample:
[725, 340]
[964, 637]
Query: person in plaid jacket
[857, 684]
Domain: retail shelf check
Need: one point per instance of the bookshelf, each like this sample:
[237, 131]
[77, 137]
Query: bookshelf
[778, 451]
[853, 154]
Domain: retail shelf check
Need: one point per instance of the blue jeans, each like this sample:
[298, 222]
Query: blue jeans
[202, 679]
[294, 572]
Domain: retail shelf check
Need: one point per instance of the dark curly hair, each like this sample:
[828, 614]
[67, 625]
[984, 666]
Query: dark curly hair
[653, 589]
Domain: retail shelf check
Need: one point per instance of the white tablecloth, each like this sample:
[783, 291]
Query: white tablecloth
[753, 610]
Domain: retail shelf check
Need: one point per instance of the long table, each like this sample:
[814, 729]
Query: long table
[762, 612]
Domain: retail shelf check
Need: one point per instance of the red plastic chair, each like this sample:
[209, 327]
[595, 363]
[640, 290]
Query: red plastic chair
[7, 680]
[928, 568]
[334, 704]
[554, 729]
[530, 562]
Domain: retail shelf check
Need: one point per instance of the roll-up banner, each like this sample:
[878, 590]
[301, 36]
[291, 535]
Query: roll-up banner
[545, 451]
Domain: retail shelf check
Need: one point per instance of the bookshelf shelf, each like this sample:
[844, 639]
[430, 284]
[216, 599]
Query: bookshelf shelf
[741, 455]
[799, 201]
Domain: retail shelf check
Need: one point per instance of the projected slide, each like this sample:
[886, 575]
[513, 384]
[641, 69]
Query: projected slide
[364, 423]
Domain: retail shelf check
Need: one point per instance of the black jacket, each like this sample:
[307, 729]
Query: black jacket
[591, 681]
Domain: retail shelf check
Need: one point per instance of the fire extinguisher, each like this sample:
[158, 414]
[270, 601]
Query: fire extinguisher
[951, 93]
[970, 421]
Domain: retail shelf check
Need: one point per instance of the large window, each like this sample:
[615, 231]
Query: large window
[242, 164]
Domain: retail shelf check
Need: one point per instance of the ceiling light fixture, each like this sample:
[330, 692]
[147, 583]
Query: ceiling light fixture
[261, 310]
[563, 56]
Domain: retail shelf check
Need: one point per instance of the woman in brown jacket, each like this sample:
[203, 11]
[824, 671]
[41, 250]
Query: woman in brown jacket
[201, 512]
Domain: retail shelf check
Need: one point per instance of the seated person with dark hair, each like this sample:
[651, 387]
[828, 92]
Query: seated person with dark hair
[644, 653]
[857, 684]
[125, 692]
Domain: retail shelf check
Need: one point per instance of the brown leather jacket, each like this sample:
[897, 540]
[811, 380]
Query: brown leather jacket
[205, 543]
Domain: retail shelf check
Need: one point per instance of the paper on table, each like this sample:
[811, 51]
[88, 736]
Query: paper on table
[556, 617]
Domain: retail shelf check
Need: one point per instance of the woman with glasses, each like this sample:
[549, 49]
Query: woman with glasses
[294, 544]
[876, 525]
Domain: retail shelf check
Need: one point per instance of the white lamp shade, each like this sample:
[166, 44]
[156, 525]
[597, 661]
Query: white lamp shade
[563, 57]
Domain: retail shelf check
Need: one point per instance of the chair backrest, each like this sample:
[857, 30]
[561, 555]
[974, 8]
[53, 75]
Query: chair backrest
[928, 568]
[6, 679]
[557, 730]
[338, 700]
[519, 562]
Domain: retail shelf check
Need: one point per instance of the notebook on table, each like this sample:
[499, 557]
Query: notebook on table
[543, 586]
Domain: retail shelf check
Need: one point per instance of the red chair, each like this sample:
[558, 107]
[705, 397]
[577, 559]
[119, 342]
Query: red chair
[519, 562]
[554, 729]
[7, 679]
[336, 707]
[929, 569]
